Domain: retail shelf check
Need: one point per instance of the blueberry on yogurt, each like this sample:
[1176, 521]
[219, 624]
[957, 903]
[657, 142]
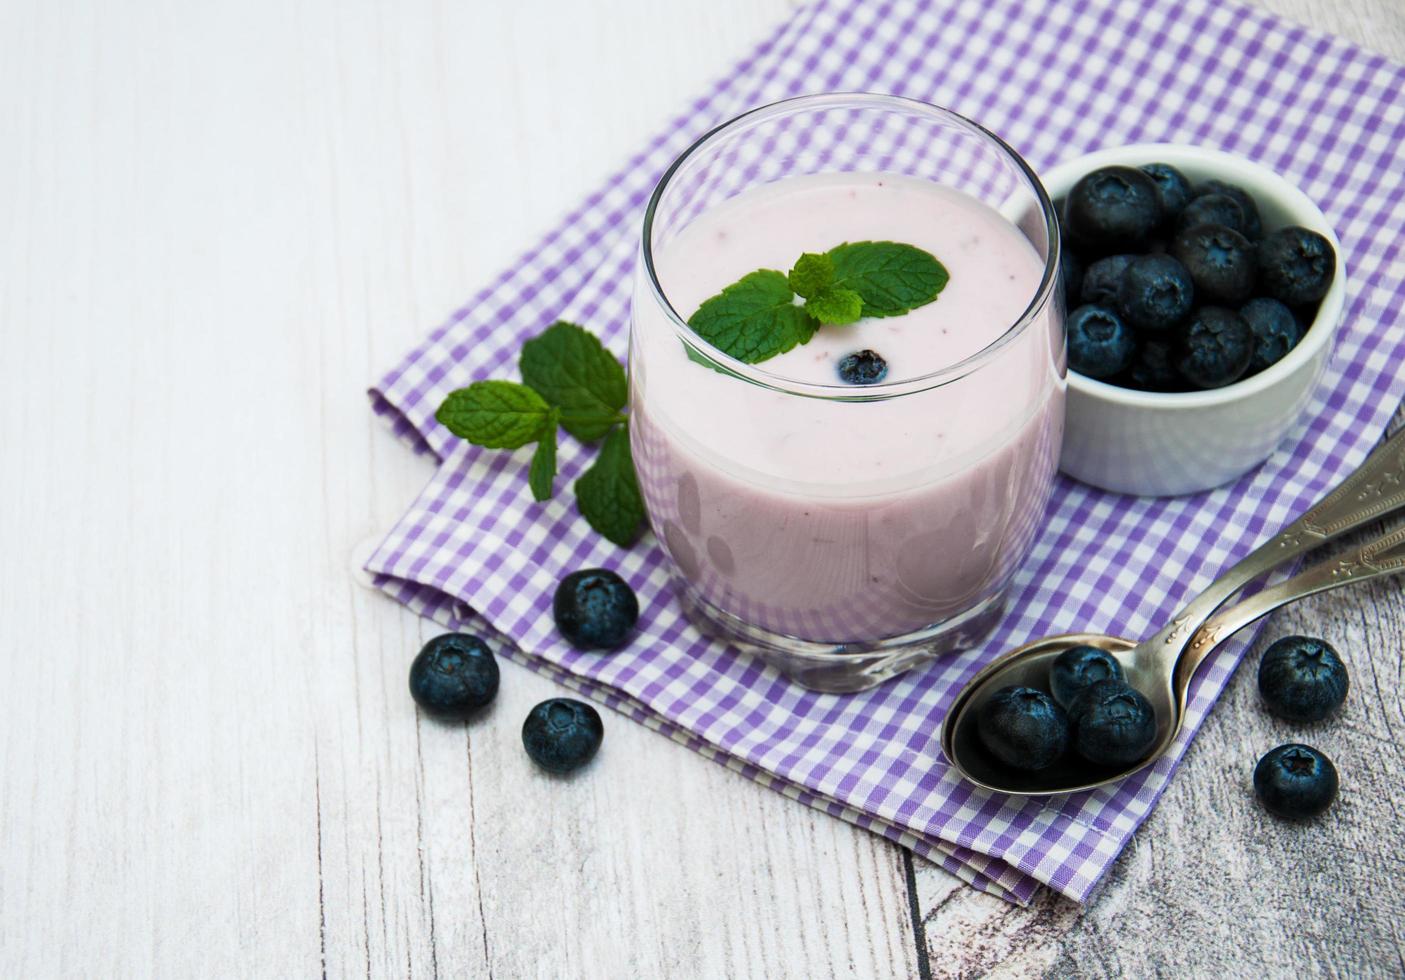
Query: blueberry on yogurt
[863, 367]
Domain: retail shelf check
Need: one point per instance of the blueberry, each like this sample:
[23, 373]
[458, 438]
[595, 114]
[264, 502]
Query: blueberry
[595, 609]
[864, 367]
[562, 734]
[1023, 728]
[1172, 189]
[1214, 348]
[1220, 262]
[454, 675]
[1154, 368]
[1156, 293]
[1276, 331]
[1079, 668]
[1302, 679]
[1253, 226]
[1113, 724]
[1103, 279]
[1114, 208]
[1099, 343]
[1212, 209]
[1296, 265]
[1071, 268]
[1295, 781]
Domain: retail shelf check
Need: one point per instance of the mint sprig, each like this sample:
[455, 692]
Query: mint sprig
[756, 318]
[570, 381]
[892, 278]
[496, 414]
[571, 369]
[608, 493]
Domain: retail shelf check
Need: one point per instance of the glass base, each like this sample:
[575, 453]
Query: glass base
[843, 668]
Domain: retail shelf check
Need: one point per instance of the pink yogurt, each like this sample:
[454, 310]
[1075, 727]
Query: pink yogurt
[840, 520]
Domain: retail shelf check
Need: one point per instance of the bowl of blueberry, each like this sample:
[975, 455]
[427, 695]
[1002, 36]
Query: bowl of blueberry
[1203, 292]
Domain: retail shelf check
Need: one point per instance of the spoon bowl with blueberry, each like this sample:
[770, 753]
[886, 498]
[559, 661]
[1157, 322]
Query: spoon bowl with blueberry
[1073, 712]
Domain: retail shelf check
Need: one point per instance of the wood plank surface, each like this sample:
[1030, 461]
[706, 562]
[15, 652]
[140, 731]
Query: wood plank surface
[220, 221]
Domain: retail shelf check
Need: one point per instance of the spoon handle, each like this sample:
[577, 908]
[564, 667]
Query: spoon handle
[1376, 488]
[1384, 556]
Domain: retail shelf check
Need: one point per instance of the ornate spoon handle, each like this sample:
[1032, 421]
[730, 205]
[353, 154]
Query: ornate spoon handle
[1376, 488]
[1384, 556]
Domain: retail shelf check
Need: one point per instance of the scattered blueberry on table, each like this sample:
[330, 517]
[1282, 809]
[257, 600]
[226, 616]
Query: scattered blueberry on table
[454, 675]
[1295, 781]
[1024, 728]
[1148, 254]
[1302, 679]
[863, 367]
[1079, 668]
[562, 734]
[595, 609]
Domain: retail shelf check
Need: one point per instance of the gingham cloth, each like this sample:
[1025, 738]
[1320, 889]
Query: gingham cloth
[1055, 80]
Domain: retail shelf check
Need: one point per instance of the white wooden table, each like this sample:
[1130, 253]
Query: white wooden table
[218, 222]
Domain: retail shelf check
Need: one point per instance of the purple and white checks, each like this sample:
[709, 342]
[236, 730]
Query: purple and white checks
[1055, 80]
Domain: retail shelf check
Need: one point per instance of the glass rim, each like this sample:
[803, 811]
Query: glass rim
[712, 356]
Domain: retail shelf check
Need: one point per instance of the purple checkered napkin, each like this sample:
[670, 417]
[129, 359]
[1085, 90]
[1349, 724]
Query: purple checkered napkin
[1056, 80]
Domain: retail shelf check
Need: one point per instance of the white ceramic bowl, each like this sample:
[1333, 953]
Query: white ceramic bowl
[1158, 444]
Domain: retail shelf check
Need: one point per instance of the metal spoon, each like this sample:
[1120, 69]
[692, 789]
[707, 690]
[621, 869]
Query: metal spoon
[1162, 666]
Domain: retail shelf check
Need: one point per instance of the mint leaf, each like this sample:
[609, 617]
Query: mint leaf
[754, 318]
[608, 493]
[569, 367]
[541, 475]
[835, 305]
[891, 278]
[812, 273]
[496, 414]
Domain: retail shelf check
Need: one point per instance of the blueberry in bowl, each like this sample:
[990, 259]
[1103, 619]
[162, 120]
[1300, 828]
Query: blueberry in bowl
[1100, 344]
[1113, 208]
[1252, 227]
[1153, 367]
[1296, 265]
[1276, 331]
[1214, 348]
[1220, 261]
[1155, 293]
[1182, 416]
[1102, 281]
[1212, 209]
[1173, 189]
